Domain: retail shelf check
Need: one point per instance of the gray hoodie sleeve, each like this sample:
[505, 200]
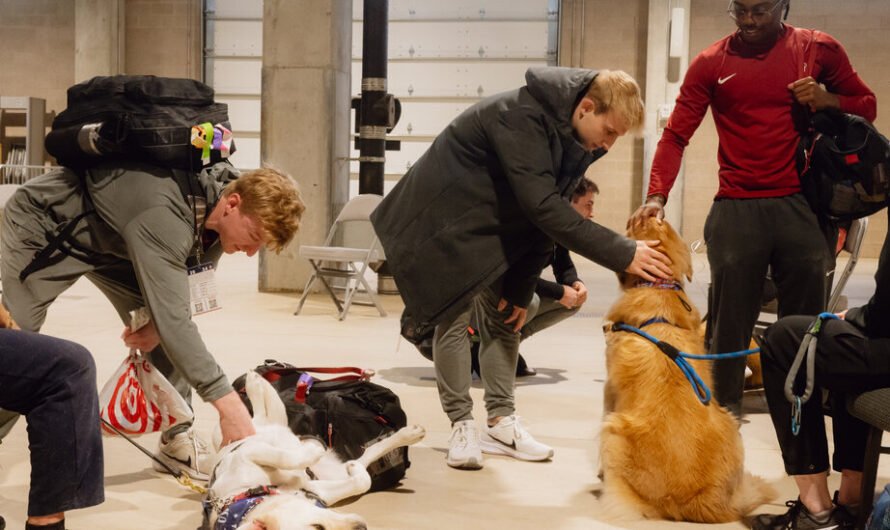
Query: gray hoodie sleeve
[158, 242]
[523, 146]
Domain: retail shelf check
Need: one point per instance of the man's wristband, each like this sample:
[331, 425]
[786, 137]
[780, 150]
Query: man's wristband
[657, 199]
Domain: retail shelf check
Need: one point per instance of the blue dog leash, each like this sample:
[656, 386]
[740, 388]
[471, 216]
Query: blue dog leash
[806, 351]
[702, 392]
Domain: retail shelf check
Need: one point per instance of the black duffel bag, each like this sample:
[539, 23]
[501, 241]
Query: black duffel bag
[141, 117]
[348, 412]
[846, 166]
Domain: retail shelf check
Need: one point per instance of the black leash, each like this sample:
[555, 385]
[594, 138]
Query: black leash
[181, 477]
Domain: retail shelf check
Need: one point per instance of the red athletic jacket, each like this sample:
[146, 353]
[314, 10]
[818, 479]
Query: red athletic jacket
[757, 119]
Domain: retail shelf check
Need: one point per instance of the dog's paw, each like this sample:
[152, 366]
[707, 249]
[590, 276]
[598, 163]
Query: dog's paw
[412, 434]
[359, 475]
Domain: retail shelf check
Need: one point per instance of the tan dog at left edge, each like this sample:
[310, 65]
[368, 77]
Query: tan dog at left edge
[6, 320]
[664, 454]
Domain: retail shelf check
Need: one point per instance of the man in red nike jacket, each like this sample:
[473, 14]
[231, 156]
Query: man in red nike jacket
[759, 90]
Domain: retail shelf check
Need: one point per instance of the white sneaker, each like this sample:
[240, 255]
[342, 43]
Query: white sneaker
[463, 446]
[509, 437]
[186, 453]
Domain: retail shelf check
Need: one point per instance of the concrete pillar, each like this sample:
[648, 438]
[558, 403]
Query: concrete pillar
[98, 38]
[307, 53]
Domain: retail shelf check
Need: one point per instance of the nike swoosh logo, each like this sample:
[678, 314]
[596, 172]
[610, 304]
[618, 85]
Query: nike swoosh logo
[187, 462]
[722, 80]
[829, 527]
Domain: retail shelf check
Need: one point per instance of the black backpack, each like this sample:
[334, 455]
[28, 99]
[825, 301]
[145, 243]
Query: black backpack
[145, 118]
[348, 413]
[845, 171]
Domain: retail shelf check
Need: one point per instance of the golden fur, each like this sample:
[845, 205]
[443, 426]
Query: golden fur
[6, 320]
[664, 454]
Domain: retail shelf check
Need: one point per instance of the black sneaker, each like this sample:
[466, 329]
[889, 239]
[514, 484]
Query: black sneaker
[523, 369]
[474, 359]
[2, 523]
[799, 518]
[848, 514]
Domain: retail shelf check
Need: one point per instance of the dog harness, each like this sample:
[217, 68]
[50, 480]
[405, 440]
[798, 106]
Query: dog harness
[236, 508]
[702, 392]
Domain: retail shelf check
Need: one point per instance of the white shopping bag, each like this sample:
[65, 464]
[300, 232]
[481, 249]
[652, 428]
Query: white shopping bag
[138, 399]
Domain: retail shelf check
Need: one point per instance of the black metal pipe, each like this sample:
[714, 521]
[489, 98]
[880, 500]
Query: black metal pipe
[375, 104]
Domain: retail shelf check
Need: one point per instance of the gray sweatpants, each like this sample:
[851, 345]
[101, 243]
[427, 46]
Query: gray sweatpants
[543, 313]
[497, 359]
[29, 301]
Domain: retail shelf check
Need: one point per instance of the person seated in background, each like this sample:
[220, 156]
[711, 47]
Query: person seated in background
[554, 301]
[852, 356]
[52, 382]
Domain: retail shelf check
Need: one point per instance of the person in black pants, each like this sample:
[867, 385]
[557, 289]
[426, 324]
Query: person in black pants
[52, 382]
[852, 356]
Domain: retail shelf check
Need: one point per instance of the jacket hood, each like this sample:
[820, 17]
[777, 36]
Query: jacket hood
[557, 89]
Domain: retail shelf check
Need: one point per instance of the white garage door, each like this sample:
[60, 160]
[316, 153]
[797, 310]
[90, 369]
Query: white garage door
[443, 57]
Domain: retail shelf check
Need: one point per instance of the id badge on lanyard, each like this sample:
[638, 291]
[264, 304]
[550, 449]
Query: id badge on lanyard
[202, 289]
[201, 277]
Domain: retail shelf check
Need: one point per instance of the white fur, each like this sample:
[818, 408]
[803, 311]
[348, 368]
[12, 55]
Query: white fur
[274, 455]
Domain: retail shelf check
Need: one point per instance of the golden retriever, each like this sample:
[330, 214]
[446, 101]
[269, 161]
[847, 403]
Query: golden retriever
[665, 454]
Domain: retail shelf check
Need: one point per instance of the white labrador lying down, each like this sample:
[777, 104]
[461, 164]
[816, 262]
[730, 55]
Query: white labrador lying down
[273, 480]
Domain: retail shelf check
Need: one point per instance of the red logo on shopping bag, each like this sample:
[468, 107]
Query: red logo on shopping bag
[128, 410]
[138, 399]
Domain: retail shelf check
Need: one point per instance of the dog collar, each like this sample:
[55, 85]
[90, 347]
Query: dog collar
[661, 284]
[233, 510]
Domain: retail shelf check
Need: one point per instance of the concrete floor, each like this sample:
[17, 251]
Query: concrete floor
[561, 406]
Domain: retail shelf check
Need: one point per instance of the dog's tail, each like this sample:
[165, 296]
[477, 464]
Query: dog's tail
[717, 504]
[267, 406]
[751, 493]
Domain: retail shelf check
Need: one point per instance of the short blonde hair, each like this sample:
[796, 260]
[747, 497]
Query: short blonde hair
[616, 90]
[271, 197]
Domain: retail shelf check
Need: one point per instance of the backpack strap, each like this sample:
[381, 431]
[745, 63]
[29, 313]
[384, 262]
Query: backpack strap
[354, 373]
[351, 373]
[63, 243]
[807, 65]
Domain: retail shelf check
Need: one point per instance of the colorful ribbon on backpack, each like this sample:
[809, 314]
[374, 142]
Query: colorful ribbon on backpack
[208, 137]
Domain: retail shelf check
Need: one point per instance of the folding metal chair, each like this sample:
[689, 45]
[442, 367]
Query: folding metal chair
[348, 251]
[853, 244]
[874, 409]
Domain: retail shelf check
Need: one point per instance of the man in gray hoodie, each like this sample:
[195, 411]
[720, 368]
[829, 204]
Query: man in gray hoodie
[473, 222]
[142, 234]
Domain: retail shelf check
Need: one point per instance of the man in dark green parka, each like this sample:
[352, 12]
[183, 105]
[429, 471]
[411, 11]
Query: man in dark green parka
[474, 220]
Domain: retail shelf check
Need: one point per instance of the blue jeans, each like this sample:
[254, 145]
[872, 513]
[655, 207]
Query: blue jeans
[52, 382]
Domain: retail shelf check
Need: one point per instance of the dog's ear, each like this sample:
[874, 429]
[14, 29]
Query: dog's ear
[674, 246]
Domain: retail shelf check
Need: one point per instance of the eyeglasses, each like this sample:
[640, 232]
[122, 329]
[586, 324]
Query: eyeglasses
[737, 12]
